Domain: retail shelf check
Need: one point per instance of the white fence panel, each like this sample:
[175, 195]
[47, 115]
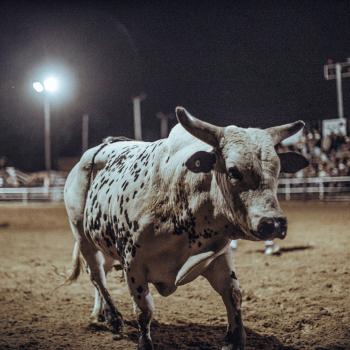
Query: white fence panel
[26, 194]
[323, 188]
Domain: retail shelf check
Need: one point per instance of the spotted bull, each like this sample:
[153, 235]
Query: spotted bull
[167, 210]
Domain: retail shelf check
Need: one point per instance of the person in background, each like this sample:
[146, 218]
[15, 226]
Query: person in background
[271, 247]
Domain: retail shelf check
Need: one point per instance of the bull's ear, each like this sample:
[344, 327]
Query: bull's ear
[201, 162]
[292, 162]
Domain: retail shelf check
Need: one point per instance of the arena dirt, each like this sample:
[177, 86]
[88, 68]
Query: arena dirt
[298, 300]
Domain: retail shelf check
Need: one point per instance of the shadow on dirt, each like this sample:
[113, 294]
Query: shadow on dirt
[196, 336]
[295, 248]
[283, 250]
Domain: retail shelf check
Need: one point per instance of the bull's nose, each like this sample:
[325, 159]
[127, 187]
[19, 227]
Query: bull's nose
[271, 227]
[281, 227]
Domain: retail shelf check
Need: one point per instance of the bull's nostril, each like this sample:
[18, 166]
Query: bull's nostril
[266, 227]
[281, 227]
[282, 223]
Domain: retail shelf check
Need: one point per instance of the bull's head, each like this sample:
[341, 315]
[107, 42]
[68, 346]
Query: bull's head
[246, 168]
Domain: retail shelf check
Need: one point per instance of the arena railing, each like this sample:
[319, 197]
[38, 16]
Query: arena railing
[30, 194]
[321, 188]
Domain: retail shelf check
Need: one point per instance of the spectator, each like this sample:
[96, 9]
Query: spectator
[329, 156]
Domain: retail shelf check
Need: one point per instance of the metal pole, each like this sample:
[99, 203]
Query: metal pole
[164, 127]
[339, 90]
[137, 116]
[47, 135]
[85, 133]
[163, 124]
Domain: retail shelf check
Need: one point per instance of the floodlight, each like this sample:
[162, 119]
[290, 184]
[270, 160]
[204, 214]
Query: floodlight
[51, 84]
[38, 87]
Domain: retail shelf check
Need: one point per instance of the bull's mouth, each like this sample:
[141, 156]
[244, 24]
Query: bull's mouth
[281, 234]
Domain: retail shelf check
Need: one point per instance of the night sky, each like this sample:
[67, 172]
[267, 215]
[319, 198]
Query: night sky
[250, 63]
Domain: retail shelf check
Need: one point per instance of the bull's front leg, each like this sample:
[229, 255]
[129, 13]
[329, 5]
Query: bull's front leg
[222, 278]
[143, 307]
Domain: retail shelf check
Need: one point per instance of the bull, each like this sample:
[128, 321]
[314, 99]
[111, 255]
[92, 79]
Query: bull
[167, 210]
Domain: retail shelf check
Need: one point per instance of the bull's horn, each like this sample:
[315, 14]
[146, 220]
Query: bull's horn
[204, 131]
[281, 132]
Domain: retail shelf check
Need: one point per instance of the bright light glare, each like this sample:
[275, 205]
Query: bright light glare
[51, 84]
[38, 87]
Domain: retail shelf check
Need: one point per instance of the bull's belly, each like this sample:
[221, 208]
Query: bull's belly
[169, 273]
[163, 280]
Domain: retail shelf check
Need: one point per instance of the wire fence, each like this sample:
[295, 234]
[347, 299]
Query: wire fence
[320, 188]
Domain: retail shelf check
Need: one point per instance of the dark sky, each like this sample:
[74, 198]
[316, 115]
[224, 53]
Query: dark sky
[251, 63]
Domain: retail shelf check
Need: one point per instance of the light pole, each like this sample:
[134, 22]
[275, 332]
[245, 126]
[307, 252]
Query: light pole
[136, 100]
[47, 87]
[85, 132]
[338, 71]
[164, 123]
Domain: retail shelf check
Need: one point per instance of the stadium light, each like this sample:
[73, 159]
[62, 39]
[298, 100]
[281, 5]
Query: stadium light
[38, 87]
[49, 86]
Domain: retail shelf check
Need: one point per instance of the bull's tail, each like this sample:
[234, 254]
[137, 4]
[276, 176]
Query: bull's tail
[76, 265]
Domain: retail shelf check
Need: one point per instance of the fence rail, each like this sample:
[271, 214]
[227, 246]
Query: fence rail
[26, 194]
[322, 188]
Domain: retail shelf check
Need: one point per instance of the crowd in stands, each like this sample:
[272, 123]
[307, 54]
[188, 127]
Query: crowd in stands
[328, 156]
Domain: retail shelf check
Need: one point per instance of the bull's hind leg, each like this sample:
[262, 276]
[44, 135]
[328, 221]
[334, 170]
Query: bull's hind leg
[222, 278]
[100, 311]
[143, 307]
[95, 260]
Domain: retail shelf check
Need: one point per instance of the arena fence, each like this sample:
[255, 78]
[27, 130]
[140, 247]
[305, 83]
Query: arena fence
[32, 194]
[322, 188]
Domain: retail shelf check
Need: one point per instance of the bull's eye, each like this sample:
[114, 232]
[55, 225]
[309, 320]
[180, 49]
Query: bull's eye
[234, 173]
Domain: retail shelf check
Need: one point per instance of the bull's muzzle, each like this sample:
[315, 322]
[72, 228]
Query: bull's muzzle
[272, 227]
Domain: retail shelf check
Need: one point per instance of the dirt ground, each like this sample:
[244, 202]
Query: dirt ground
[298, 300]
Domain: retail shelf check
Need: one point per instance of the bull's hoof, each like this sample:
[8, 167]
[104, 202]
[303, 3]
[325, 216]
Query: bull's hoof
[117, 325]
[101, 318]
[97, 318]
[233, 347]
[115, 320]
[235, 340]
[145, 343]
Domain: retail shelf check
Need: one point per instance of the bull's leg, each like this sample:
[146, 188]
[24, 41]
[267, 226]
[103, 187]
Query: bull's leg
[100, 310]
[97, 311]
[143, 307]
[95, 261]
[222, 278]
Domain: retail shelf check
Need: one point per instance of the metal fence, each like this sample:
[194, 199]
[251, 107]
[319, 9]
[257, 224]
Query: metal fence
[322, 188]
